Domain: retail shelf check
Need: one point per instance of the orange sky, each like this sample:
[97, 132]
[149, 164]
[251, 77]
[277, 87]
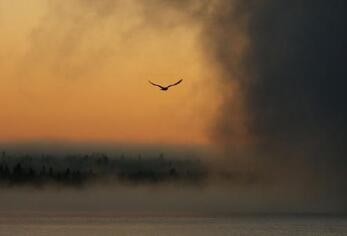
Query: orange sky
[78, 70]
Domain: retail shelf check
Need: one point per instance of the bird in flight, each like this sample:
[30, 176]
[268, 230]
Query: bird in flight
[165, 88]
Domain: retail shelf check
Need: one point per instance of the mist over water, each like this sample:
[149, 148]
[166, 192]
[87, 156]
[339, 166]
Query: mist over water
[244, 225]
[151, 182]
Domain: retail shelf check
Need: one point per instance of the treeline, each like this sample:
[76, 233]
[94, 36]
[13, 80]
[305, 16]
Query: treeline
[81, 169]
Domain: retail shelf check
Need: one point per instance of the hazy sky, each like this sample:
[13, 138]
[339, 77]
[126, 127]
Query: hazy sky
[78, 71]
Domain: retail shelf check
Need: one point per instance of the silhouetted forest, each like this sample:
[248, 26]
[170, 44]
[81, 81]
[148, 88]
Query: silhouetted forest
[77, 170]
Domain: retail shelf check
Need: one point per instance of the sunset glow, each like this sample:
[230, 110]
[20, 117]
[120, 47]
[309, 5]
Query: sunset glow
[75, 71]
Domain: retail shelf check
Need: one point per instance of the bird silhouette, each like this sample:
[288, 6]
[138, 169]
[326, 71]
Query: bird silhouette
[165, 88]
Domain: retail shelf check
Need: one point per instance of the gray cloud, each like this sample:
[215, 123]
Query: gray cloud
[290, 77]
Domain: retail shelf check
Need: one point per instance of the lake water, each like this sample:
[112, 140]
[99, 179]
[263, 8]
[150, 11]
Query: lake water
[115, 225]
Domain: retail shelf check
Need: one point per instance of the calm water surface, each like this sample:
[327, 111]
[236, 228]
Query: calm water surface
[111, 225]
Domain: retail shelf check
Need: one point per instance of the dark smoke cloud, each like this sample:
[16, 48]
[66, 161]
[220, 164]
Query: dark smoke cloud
[286, 59]
[298, 68]
[291, 72]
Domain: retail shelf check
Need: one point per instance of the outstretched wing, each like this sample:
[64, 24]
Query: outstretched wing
[155, 84]
[175, 83]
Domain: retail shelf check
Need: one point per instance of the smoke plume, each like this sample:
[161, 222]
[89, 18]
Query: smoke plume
[283, 112]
